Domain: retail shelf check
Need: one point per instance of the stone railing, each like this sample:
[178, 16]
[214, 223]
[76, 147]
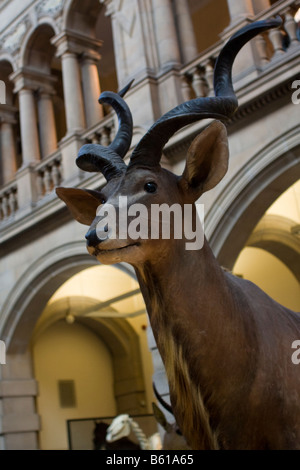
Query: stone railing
[276, 43]
[48, 174]
[8, 201]
[272, 46]
[103, 133]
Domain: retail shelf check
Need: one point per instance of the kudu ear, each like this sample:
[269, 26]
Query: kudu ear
[82, 203]
[206, 162]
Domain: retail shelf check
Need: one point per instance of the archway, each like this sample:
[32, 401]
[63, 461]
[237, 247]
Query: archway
[89, 19]
[271, 256]
[274, 233]
[123, 341]
[244, 201]
[40, 62]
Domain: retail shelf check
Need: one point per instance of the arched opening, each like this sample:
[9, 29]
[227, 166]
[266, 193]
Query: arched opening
[81, 326]
[271, 257]
[75, 380]
[44, 69]
[245, 200]
[89, 19]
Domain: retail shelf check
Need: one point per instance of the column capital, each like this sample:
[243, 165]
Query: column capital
[25, 78]
[90, 56]
[79, 44]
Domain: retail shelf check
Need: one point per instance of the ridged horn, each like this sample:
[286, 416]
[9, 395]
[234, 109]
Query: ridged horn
[109, 160]
[222, 106]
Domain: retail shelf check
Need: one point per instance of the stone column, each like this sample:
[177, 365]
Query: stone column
[29, 129]
[47, 128]
[72, 93]
[8, 146]
[166, 37]
[240, 10]
[91, 90]
[260, 5]
[81, 86]
[186, 30]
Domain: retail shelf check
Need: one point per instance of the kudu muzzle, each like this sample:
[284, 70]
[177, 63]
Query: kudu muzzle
[92, 238]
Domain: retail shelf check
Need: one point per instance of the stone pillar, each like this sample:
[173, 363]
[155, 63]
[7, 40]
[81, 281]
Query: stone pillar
[186, 31]
[260, 5]
[72, 93]
[8, 147]
[29, 129]
[47, 128]
[27, 83]
[165, 31]
[19, 421]
[91, 90]
[70, 47]
[239, 10]
[247, 65]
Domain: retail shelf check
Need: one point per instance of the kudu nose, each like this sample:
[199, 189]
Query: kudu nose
[91, 237]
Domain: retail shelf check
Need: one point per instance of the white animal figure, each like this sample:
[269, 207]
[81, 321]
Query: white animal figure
[123, 424]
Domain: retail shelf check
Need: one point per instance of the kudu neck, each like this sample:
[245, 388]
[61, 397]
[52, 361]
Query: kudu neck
[175, 277]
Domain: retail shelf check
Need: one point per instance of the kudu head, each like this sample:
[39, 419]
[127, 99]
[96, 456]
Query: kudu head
[143, 181]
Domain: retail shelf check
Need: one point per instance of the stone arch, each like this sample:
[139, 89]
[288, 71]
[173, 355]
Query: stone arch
[89, 19]
[21, 311]
[244, 201]
[30, 296]
[274, 234]
[39, 62]
[5, 57]
[82, 16]
[37, 51]
[119, 338]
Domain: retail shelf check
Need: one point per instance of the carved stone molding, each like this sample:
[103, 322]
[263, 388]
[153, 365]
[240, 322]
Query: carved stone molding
[49, 7]
[174, 152]
[259, 103]
[12, 40]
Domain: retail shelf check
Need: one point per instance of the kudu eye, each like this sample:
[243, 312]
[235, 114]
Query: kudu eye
[150, 187]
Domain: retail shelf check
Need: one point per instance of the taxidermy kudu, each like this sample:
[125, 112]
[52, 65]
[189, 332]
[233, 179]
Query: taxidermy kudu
[225, 344]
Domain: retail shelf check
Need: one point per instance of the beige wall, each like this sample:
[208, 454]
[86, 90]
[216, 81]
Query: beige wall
[71, 352]
[270, 274]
